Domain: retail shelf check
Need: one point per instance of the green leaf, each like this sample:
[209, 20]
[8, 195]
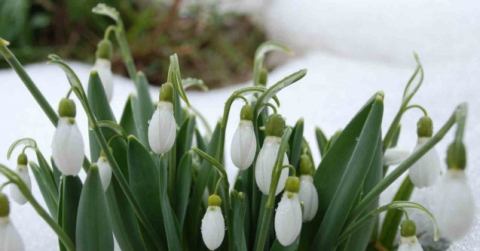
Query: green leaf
[182, 187]
[239, 209]
[360, 238]
[200, 141]
[352, 179]
[47, 176]
[195, 205]
[189, 82]
[113, 126]
[144, 184]
[70, 191]
[47, 197]
[273, 90]
[176, 79]
[143, 108]
[322, 141]
[296, 144]
[172, 228]
[279, 247]
[185, 137]
[94, 230]
[127, 120]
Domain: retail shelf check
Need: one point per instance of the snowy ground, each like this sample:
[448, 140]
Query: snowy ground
[344, 69]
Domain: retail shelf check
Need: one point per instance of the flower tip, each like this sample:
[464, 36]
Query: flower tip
[381, 93]
[4, 42]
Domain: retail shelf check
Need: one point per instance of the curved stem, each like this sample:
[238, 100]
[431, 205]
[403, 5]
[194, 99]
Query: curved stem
[14, 178]
[217, 185]
[417, 106]
[5, 184]
[292, 168]
[271, 106]
[108, 31]
[69, 92]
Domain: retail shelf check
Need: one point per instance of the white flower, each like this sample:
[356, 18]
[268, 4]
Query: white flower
[395, 156]
[10, 239]
[162, 129]
[213, 227]
[15, 193]
[265, 163]
[288, 219]
[409, 243]
[68, 147]
[105, 172]
[427, 169]
[454, 205]
[244, 145]
[309, 196]
[103, 67]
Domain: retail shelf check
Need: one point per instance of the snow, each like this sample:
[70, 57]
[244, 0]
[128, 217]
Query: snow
[348, 60]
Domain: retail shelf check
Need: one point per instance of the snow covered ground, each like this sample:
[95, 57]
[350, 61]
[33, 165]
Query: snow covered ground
[347, 62]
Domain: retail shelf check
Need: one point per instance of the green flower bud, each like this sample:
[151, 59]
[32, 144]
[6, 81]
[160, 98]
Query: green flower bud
[104, 49]
[214, 200]
[67, 108]
[166, 92]
[275, 125]
[306, 166]
[263, 77]
[456, 156]
[425, 127]
[408, 228]
[22, 159]
[246, 113]
[292, 185]
[4, 205]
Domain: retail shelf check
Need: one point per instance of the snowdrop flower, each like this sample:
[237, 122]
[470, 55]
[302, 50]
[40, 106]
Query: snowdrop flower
[163, 128]
[454, 205]
[426, 170]
[408, 238]
[213, 224]
[244, 143]
[68, 148]
[308, 193]
[395, 156]
[10, 239]
[268, 155]
[288, 217]
[22, 171]
[103, 66]
[104, 170]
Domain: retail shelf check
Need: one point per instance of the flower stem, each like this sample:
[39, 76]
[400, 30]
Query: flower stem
[14, 178]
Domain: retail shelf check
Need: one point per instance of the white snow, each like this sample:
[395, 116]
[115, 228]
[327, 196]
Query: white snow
[351, 50]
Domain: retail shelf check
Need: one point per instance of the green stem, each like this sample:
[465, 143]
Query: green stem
[14, 178]
[425, 113]
[394, 175]
[392, 128]
[125, 50]
[5, 184]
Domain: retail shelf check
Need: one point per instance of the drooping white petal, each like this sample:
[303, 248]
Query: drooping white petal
[309, 196]
[288, 219]
[409, 244]
[244, 145]
[10, 239]
[213, 227]
[454, 207]
[68, 149]
[105, 172]
[264, 165]
[104, 69]
[427, 169]
[162, 129]
[15, 193]
[395, 156]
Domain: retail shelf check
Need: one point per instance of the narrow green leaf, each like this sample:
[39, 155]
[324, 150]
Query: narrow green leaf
[182, 187]
[142, 129]
[143, 108]
[322, 141]
[94, 230]
[200, 141]
[352, 180]
[47, 197]
[144, 184]
[360, 238]
[239, 209]
[177, 79]
[112, 126]
[195, 205]
[279, 247]
[70, 191]
[56, 173]
[172, 228]
[296, 144]
[185, 137]
[127, 120]
[47, 176]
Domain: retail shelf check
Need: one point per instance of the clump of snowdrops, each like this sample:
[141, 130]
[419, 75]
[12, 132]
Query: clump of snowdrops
[156, 178]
